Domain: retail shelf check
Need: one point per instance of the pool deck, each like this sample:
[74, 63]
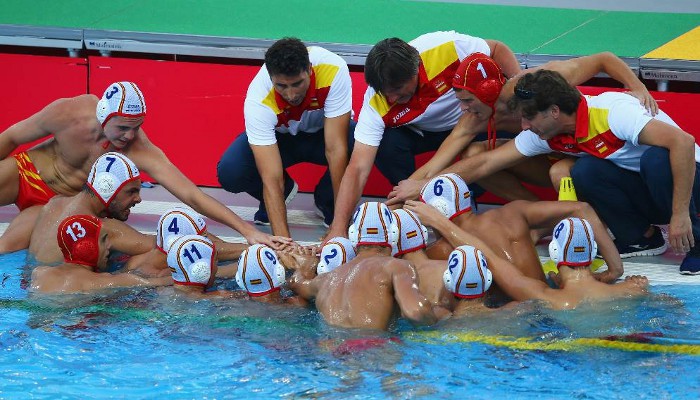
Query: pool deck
[307, 228]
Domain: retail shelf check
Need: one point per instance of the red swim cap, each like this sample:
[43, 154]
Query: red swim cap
[479, 74]
[78, 238]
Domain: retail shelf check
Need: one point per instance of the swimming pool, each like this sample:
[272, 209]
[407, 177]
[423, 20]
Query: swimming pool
[150, 345]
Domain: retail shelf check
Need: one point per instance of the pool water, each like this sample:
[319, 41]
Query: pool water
[151, 344]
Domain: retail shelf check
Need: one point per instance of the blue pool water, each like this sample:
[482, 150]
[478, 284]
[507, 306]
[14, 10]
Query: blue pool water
[149, 344]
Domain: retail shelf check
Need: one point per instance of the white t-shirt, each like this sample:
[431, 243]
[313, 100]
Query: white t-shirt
[612, 132]
[434, 107]
[329, 96]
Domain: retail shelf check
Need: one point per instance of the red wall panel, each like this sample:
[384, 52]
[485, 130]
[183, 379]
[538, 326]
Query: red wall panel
[195, 111]
[29, 83]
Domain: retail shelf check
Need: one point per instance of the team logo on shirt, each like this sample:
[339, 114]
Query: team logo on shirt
[401, 114]
[440, 86]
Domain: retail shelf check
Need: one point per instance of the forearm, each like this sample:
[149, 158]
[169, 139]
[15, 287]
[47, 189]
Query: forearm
[470, 169]
[7, 145]
[273, 194]
[337, 163]
[504, 57]
[682, 159]
[606, 246]
[620, 71]
[211, 208]
[445, 154]
[348, 195]
[301, 285]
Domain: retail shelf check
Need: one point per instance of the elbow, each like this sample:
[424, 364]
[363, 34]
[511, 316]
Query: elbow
[422, 314]
[688, 140]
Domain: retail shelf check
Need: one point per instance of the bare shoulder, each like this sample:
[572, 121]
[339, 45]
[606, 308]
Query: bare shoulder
[633, 285]
[73, 115]
[396, 265]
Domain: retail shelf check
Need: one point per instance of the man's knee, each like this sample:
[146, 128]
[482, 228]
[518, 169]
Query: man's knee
[559, 170]
[655, 164]
[586, 172]
[234, 168]
[394, 157]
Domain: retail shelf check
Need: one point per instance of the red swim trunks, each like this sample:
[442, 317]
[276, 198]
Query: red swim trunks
[32, 190]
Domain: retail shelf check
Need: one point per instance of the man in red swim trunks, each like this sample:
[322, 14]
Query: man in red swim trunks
[83, 128]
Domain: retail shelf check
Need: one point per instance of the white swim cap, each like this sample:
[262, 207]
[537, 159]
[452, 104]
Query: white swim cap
[573, 243]
[334, 253]
[191, 259]
[176, 222]
[413, 235]
[122, 99]
[467, 275]
[449, 194]
[260, 272]
[374, 224]
[110, 172]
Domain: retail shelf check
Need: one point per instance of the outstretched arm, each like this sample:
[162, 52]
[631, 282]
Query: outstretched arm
[269, 163]
[335, 133]
[504, 57]
[107, 281]
[579, 70]
[351, 187]
[126, 239]
[471, 169]
[505, 274]
[304, 284]
[153, 161]
[413, 304]
[546, 214]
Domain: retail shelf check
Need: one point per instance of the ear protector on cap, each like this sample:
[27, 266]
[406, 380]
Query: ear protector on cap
[78, 238]
[374, 224]
[573, 243]
[109, 173]
[467, 275]
[259, 271]
[191, 259]
[122, 99]
[413, 235]
[334, 253]
[481, 75]
[176, 222]
[449, 194]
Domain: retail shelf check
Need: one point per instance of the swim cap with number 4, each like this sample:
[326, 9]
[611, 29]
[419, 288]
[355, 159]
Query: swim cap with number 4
[176, 222]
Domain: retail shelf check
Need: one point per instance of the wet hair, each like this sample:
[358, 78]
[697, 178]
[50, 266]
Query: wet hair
[287, 56]
[390, 64]
[537, 91]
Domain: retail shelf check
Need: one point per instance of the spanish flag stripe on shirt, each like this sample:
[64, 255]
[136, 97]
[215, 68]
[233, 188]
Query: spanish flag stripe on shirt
[321, 78]
[593, 134]
[435, 73]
